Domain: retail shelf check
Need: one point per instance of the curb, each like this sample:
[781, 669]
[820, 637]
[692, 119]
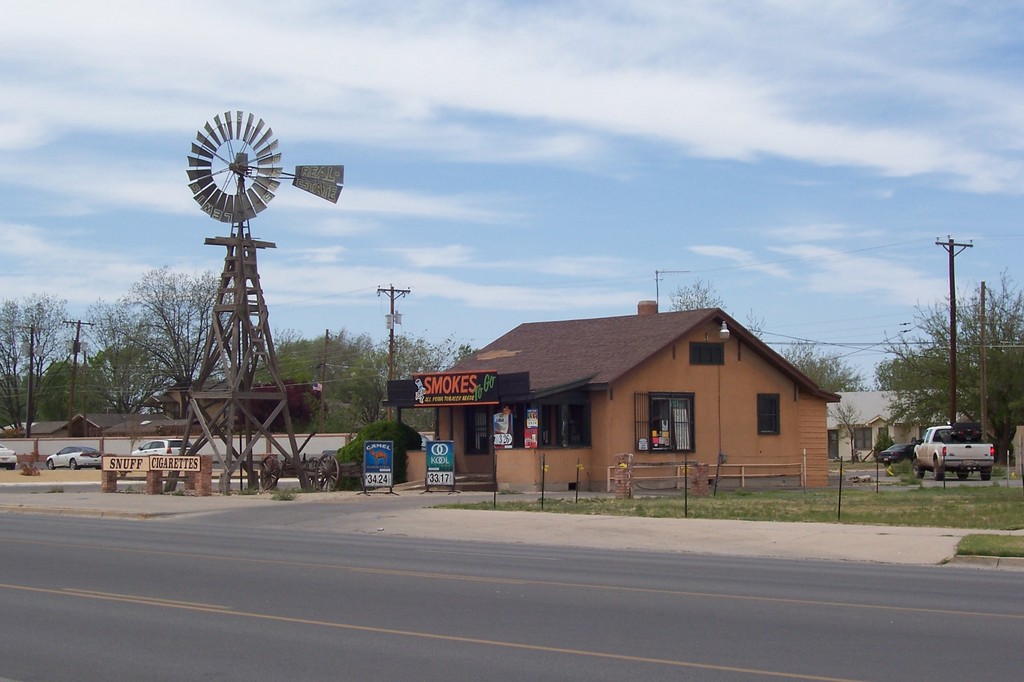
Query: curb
[977, 561]
[97, 513]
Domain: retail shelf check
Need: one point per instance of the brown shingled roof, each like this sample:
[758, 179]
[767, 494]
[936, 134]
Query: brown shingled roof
[598, 351]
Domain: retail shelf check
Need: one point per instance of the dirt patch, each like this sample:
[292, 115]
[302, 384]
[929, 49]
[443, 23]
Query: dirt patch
[55, 476]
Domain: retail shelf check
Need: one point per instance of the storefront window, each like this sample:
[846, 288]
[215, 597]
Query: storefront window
[565, 425]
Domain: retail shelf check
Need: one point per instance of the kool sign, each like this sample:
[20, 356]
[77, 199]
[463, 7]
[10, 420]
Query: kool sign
[440, 463]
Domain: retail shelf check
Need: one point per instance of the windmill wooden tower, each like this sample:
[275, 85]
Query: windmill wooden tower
[234, 170]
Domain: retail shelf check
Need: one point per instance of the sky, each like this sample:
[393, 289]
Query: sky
[523, 161]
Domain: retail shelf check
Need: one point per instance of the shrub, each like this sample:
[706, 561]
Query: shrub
[883, 442]
[404, 437]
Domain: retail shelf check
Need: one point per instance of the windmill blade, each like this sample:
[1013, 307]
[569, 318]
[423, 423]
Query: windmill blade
[206, 194]
[256, 200]
[201, 191]
[243, 208]
[266, 150]
[224, 204]
[225, 135]
[270, 160]
[206, 142]
[248, 128]
[213, 134]
[201, 181]
[266, 184]
[202, 151]
[233, 124]
[194, 162]
[263, 140]
[197, 187]
[255, 133]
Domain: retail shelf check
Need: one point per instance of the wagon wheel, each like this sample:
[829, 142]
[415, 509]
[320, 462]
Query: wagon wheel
[270, 472]
[312, 468]
[328, 472]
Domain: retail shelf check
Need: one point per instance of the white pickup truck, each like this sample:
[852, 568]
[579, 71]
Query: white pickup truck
[953, 448]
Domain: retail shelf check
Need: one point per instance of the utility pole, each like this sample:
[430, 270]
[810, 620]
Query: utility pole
[393, 294]
[323, 377]
[983, 371]
[76, 348]
[30, 407]
[953, 249]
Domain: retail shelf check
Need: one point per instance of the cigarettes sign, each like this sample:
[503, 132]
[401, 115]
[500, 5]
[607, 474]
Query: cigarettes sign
[144, 463]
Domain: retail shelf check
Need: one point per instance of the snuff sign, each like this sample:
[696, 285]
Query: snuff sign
[456, 388]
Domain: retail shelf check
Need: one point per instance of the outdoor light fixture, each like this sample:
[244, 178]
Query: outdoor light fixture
[724, 331]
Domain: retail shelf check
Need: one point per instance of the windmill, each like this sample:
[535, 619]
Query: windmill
[234, 170]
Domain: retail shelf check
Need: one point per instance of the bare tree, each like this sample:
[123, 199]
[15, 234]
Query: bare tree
[699, 294]
[175, 313]
[848, 417]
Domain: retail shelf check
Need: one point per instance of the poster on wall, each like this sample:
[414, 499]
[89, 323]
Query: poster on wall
[503, 429]
[532, 424]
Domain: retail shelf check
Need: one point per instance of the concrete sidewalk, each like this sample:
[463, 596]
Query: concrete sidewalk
[412, 517]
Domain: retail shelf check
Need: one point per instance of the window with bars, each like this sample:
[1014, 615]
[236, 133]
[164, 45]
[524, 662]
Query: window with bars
[664, 421]
[478, 429]
[768, 421]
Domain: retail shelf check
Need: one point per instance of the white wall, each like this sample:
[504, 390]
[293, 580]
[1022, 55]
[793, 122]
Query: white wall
[123, 445]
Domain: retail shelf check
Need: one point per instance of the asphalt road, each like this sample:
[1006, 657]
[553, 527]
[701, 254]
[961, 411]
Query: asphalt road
[236, 599]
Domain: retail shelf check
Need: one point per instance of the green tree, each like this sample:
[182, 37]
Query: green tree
[827, 369]
[34, 324]
[123, 373]
[919, 377]
[352, 373]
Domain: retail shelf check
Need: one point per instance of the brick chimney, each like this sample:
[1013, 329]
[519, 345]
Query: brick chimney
[647, 308]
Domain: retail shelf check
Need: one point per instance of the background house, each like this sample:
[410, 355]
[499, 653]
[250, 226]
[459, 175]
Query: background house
[857, 422]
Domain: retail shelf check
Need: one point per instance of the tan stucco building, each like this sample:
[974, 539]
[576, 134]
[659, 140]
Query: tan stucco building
[670, 388]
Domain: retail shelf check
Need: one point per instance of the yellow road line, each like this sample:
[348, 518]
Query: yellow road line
[542, 583]
[625, 658]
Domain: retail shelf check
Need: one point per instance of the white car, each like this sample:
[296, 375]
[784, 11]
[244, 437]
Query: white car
[164, 446]
[75, 457]
[8, 459]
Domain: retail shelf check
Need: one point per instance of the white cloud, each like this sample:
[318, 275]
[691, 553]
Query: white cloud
[722, 80]
[431, 257]
[858, 276]
[743, 259]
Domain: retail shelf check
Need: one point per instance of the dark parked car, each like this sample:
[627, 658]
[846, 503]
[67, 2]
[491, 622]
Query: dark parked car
[896, 453]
